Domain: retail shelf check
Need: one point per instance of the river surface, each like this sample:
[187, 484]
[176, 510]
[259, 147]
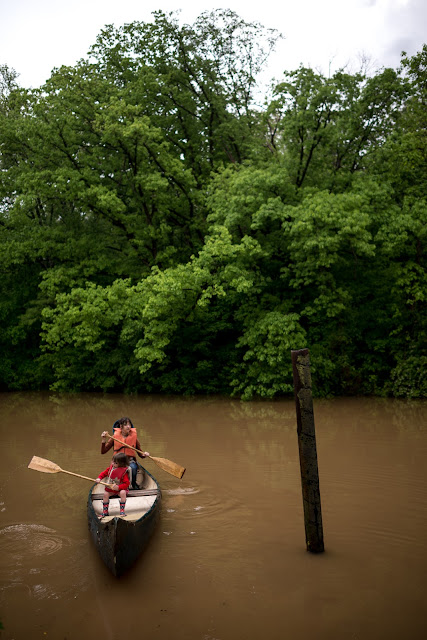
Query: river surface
[228, 559]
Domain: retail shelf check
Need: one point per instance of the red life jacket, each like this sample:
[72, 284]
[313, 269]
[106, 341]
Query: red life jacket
[129, 439]
[116, 473]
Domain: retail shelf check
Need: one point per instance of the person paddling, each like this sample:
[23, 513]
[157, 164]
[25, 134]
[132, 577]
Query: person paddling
[124, 431]
[118, 476]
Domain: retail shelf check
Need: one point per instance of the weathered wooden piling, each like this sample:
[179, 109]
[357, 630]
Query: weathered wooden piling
[307, 451]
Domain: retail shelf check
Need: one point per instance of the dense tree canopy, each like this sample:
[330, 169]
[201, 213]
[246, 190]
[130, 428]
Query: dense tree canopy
[161, 233]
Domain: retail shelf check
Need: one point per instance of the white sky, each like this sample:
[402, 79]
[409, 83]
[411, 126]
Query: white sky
[38, 35]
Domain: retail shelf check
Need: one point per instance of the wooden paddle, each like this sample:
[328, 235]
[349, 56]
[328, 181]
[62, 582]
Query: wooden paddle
[46, 466]
[167, 465]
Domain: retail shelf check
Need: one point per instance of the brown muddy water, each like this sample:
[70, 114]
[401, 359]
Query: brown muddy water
[228, 558]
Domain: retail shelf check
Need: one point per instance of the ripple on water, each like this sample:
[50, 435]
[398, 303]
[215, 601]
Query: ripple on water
[180, 491]
[31, 538]
[43, 592]
[183, 506]
[23, 548]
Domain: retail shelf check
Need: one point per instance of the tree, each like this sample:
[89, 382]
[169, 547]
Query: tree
[159, 233]
[196, 82]
[327, 128]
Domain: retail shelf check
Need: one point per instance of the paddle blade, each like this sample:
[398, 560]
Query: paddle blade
[46, 466]
[170, 467]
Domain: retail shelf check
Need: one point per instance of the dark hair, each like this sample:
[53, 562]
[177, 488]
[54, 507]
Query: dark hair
[118, 423]
[121, 459]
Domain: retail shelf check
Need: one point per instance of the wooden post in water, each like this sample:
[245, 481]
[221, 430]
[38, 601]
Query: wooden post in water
[307, 451]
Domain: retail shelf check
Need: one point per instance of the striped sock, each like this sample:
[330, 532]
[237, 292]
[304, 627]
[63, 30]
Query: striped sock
[105, 508]
[122, 508]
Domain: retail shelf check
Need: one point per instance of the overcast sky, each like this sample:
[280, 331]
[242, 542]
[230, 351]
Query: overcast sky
[38, 35]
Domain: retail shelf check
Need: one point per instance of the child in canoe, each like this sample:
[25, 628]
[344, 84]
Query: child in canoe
[117, 475]
[124, 431]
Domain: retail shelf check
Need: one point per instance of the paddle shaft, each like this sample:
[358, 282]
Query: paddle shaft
[47, 466]
[85, 477]
[167, 465]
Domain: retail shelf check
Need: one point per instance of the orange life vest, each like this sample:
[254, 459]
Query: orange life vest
[129, 439]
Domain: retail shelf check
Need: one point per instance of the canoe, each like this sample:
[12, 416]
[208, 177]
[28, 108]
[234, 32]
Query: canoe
[120, 540]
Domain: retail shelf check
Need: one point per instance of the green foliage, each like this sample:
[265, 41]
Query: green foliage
[329, 127]
[265, 369]
[408, 378]
[159, 233]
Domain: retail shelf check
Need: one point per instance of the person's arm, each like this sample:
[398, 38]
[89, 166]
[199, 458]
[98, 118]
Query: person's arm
[106, 443]
[103, 473]
[124, 483]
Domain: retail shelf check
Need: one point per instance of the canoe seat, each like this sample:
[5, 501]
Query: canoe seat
[135, 508]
